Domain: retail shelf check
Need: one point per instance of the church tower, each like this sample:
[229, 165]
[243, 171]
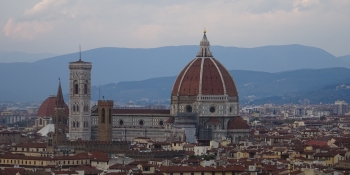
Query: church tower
[60, 118]
[79, 99]
[60, 122]
[105, 112]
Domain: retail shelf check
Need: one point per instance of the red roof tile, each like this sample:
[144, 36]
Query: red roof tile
[47, 108]
[214, 77]
[237, 123]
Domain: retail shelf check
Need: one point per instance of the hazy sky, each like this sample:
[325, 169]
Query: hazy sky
[59, 26]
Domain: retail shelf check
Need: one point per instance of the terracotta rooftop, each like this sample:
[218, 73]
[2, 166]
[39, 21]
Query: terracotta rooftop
[237, 123]
[204, 75]
[232, 168]
[47, 108]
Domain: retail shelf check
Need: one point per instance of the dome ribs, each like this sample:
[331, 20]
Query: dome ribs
[211, 82]
[229, 83]
[190, 82]
[206, 75]
[178, 80]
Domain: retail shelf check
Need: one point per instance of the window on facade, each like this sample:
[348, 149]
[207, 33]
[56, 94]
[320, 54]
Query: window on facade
[76, 87]
[77, 124]
[141, 122]
[85, 89]
[110, 116]
[77, 108]
[103, 115]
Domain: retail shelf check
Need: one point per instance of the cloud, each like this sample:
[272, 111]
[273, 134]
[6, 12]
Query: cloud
[25, 30]
[248, 23]
[37, 20]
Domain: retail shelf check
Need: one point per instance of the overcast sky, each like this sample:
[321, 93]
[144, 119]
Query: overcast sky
[59, 26]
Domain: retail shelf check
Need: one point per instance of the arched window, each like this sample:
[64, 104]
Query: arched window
[73, 108]
[110, 116]
[86, 108]
[77, 108]
[103, 115]
[85, 88]
[40, 121]
[76, 87]
[73, 124]
[77, 124]
[59, 120]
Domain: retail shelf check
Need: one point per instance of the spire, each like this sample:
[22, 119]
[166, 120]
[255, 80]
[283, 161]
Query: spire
[204, 46]
[59, 97]
[79, 53]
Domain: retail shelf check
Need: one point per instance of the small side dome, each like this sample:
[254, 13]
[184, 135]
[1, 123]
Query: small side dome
[47, 108]
[237, 123]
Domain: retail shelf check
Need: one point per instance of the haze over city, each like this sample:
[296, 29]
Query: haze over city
[203, 87]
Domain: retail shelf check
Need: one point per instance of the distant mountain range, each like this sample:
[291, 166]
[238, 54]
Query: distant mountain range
[298, 86]
[345, 58]
[36, 81]
[11, 57]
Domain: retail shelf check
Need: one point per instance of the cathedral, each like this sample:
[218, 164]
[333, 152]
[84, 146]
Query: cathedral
[204, 106]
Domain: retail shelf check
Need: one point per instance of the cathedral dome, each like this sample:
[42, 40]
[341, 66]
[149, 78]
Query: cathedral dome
[47, 108]
[237, 123]
[204, 75]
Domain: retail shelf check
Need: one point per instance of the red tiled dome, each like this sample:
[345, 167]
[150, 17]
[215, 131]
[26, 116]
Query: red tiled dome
[47, 108]
[205, 75]
[237, 123]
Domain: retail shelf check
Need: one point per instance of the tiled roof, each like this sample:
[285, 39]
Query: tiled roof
[237, 123]
[215, 79]
[172, 169]
[47, 108]
[65, 172]
[31, 145]
[170, 120]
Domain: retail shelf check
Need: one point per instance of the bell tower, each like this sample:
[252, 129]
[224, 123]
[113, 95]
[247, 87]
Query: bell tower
[105, 114]
[79, 100]
[58, 137]
[60, 118]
